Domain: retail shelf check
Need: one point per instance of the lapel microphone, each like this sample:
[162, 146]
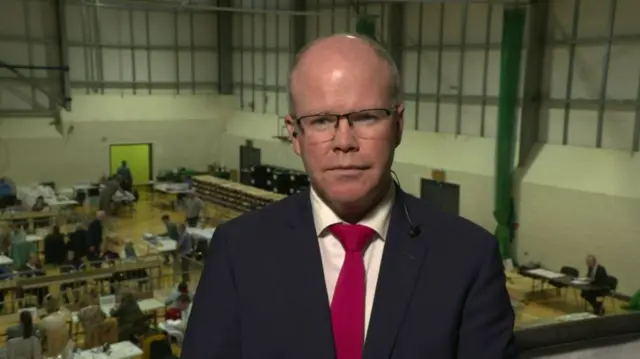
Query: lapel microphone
[414, 230]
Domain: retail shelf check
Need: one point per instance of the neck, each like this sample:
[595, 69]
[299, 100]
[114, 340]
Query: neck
[355, 212]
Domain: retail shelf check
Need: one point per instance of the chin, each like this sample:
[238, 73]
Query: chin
[347, 193]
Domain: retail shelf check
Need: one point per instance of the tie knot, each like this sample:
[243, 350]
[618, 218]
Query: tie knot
[354, 237]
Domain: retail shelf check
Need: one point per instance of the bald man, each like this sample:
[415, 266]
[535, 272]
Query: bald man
[354, 268]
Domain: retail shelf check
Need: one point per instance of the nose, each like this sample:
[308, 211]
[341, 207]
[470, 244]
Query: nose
[344, 139]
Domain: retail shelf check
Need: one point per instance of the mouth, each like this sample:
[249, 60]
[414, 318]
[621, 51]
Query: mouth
[347, 169]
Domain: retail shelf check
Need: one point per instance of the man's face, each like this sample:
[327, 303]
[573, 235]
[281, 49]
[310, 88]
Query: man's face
[342, 92]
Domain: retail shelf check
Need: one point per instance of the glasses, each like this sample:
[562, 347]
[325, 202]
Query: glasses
[366, 124]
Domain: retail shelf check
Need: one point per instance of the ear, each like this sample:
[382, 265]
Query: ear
[399, 123]
[295, 136]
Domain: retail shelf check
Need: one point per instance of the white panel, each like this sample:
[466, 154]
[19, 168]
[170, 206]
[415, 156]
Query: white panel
[77, 64]
[476, 23]
[185, 65]
[205, 29]
[277, 68]
[18, 96]
[184, 29]
[161, 28]
[111, 26]
[140, 27]
[163, 66]
[142, 65]
[12, 18]
[74, 22]
[117, 65]
[41, 15]
[206, 66]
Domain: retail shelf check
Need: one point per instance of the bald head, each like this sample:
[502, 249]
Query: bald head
[333, 63]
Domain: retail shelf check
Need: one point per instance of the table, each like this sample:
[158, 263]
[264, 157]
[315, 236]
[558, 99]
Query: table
[201, 233]
[121, 350]
[146, 305]
[163, 244]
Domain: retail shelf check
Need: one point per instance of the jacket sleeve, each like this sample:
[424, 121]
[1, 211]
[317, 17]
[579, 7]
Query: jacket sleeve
[486, 329]
[214, 330]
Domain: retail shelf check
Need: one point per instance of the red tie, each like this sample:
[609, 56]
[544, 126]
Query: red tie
[347, 305]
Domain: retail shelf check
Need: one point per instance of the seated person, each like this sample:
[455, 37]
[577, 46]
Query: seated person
[90, 314]
[597, 276]
[5, 238]
[21, 249]
[182, 288]
[40, 205]
[172, 232]
[178, 310]
[54, 247]
[78, 241]
[94, 237]
[25, 324]
[130, 318]
[71, 264]
[34, 268]
[27, 345]
[137, 274]
[177, 318]
[54, 327]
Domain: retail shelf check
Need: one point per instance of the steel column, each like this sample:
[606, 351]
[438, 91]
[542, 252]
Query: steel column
[225, 49]
[533, 80]
[394, 31]
[299, 26]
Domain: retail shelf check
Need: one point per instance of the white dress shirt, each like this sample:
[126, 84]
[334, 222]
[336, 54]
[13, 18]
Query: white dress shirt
[333, 253]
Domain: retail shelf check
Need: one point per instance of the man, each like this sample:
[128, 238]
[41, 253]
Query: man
[111, 187]
[184, 251]
[599, 279]
[355, 268]
[172, 232]
[94, 237]
[194, 207]
[126, 178]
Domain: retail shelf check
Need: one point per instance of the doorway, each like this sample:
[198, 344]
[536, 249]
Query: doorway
[139, 160]
[442, 195]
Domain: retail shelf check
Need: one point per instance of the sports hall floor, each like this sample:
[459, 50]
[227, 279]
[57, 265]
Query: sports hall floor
[543, 306]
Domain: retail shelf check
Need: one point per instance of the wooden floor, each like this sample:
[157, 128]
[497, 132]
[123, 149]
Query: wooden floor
[147, 218]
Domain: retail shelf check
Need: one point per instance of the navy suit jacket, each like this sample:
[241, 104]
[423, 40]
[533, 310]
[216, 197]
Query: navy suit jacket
[440, 294]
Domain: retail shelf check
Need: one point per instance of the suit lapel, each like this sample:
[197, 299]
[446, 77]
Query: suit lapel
[304, 284]
[401, 262]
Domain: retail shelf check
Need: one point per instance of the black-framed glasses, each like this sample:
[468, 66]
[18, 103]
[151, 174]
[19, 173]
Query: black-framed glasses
[366, 124]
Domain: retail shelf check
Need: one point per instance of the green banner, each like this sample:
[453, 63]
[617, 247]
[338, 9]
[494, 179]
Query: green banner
[510, 57]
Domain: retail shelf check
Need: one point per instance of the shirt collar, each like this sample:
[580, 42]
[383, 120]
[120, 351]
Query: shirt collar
[378, 219]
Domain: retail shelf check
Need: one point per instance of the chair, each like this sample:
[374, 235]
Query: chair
[105, 332]
[612, 286]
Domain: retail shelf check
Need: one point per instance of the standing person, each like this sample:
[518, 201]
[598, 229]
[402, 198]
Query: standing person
[126, 178]
[299, 278]
[185, 252]
[111, 187]
[171, 232]
[95, 235]
[195, 206]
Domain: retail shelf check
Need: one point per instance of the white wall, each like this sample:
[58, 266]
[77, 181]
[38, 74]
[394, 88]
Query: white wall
[132, 88]
[575, 199]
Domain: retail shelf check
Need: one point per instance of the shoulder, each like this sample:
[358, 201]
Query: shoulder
[451, 233]
[266, 220]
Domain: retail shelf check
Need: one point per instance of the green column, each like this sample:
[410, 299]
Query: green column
[510, 55]
[366, 26]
